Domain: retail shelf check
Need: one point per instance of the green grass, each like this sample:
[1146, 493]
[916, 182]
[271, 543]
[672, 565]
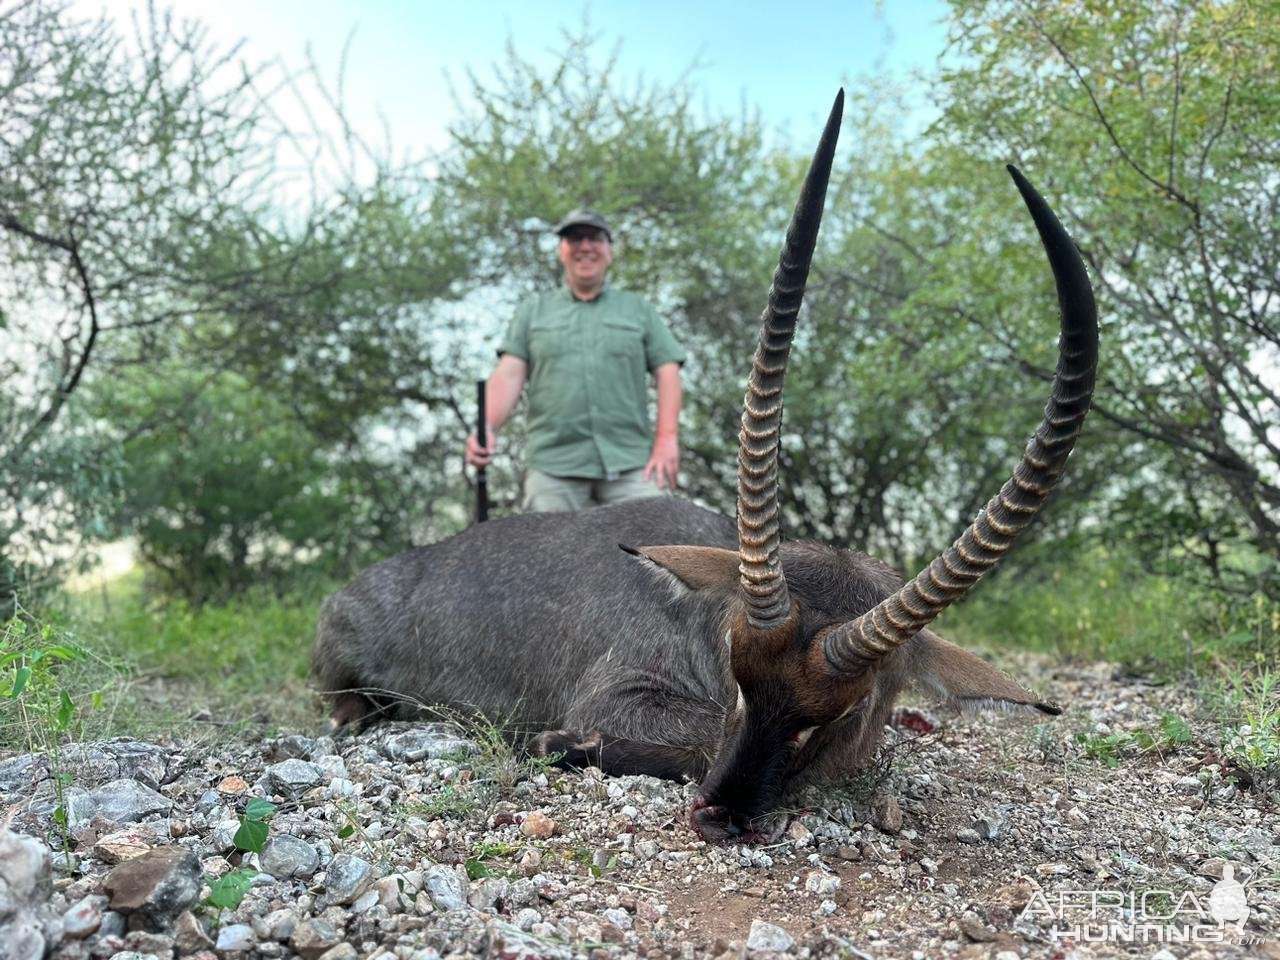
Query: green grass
[198, 670]
[1101, 606]
[54, 686]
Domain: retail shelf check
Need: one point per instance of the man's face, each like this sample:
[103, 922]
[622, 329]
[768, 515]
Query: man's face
[586, 254]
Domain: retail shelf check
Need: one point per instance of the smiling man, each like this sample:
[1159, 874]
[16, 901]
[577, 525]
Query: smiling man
[585, 352]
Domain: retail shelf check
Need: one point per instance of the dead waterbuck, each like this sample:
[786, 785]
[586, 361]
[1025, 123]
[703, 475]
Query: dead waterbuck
[750, 665]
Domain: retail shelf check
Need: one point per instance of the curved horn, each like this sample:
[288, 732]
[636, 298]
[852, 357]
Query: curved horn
[759, 532]
[850, 647]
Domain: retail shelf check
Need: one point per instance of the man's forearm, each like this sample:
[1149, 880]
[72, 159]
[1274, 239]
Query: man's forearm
[670, 391]
[502, 392]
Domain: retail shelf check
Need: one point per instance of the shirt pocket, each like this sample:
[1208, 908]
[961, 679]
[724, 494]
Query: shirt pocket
[549, 342]
[627, 339]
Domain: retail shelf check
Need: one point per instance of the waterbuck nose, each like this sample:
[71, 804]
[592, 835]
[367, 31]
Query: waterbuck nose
[719, 824]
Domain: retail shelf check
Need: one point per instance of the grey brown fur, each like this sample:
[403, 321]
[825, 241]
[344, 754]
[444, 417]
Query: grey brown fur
[540, 620]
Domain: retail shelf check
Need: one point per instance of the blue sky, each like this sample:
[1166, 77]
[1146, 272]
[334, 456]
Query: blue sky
[784, 58]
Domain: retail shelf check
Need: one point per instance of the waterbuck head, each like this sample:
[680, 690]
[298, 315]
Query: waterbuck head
[822, 640]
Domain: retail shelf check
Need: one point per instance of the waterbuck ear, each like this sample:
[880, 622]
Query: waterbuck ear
[966, 680]
[698, 568]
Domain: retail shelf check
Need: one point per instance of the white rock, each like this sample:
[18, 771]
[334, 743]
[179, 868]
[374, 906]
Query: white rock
[618, 917]
[822, 883]
[766, 936]
[235, 937]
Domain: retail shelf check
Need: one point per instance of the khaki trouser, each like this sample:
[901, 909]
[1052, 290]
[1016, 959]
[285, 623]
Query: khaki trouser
[545, 493]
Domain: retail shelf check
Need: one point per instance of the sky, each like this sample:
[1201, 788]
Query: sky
[784, 58]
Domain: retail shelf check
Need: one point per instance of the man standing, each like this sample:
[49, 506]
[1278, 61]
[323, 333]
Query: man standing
[584, 352]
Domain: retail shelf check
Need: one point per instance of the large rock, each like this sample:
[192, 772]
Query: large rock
[189, 935]
[286, 856]
[83, 918]
[91, 764]
[235, 938]
[23, 939]
[313, 937]
[504, 941]
[119, 759]
[22, 773]
[345, 879]
[120, 801]
[291, 778]
[158, 885]
[886, 813]
[424, 741]
[447, 890]
[766, 936]
[25, 873]
[28, 923]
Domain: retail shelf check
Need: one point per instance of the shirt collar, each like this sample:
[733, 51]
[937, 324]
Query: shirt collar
[567, 294]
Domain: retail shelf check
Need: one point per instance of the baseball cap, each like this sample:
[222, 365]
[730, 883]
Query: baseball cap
[582, 217]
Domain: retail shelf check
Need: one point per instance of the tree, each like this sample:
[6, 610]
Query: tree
[1157, 130]
[107, 156]
[141, 225]
[230, 492]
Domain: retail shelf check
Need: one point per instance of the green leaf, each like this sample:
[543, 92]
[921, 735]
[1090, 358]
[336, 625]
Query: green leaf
[259, 809]
[20, 682]
[346, 831]
[1175, 729]
[228, 890]
[66, 710]
[476, 870]
[251, 835]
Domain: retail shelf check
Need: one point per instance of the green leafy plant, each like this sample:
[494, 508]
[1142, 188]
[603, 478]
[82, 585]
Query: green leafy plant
[591, 860]
[33, 697]
[1103, 748]
[476, 866]
[1172, 732]
[447, 803]
[1252, 716]
[252, 834]
[227, 891]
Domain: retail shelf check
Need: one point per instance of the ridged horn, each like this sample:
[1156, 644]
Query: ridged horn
[852, 646]
[759, 531]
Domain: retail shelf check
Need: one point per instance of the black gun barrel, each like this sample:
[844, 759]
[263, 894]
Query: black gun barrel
[482, 437]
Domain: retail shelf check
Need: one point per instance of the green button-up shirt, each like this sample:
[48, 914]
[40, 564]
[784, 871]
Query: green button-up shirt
[589, 362]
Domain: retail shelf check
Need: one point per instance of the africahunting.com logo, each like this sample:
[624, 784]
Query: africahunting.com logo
[1147, 916]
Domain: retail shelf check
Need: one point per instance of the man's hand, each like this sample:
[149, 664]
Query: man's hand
[664, 463]
[477, 455]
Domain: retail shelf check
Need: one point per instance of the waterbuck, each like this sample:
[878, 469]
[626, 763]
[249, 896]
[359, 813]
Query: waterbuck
[720, 654]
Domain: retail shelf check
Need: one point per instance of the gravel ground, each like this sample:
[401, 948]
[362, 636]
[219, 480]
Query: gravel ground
[965, 841]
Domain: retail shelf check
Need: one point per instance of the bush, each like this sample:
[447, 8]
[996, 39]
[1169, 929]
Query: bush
[1098, 605]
